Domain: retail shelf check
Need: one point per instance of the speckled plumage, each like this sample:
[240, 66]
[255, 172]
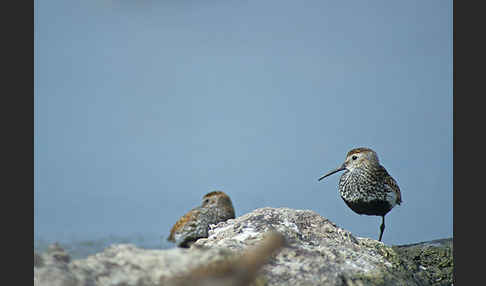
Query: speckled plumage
[365, 186]
[216, 207]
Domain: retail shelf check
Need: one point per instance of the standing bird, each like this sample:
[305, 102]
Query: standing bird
[365, 186]
[216, 207]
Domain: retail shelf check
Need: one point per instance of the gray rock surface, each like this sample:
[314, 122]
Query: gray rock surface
[430, 262]
[317, 252]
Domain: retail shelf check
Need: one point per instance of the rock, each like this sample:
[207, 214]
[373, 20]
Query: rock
[241, 270]
[315, 252]
[38, 261]
[52, 268]
[430, 262]
[57, 253]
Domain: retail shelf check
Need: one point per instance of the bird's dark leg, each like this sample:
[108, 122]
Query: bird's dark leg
[382, 226]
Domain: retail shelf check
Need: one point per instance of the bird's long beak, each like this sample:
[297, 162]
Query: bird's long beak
[343, 167]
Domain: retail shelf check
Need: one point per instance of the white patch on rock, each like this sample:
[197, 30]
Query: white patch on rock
[216, 229]
[246, 234]
[290, 225]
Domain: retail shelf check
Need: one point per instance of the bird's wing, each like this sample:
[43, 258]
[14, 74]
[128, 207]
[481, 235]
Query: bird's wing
[392, 184]
[179, 225]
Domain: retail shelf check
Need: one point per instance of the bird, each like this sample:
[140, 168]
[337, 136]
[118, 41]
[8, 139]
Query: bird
[215, 208]
[365, 186]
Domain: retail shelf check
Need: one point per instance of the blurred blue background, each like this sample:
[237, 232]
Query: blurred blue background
[142, 107]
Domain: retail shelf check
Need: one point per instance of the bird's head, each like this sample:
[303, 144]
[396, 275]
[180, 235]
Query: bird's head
[216, 199]
[356, 158]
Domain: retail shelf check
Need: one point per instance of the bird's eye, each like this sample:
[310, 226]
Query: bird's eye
[355, 157]
[206, 201]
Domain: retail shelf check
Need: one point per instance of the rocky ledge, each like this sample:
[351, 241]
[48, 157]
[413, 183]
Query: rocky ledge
[269, 246]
